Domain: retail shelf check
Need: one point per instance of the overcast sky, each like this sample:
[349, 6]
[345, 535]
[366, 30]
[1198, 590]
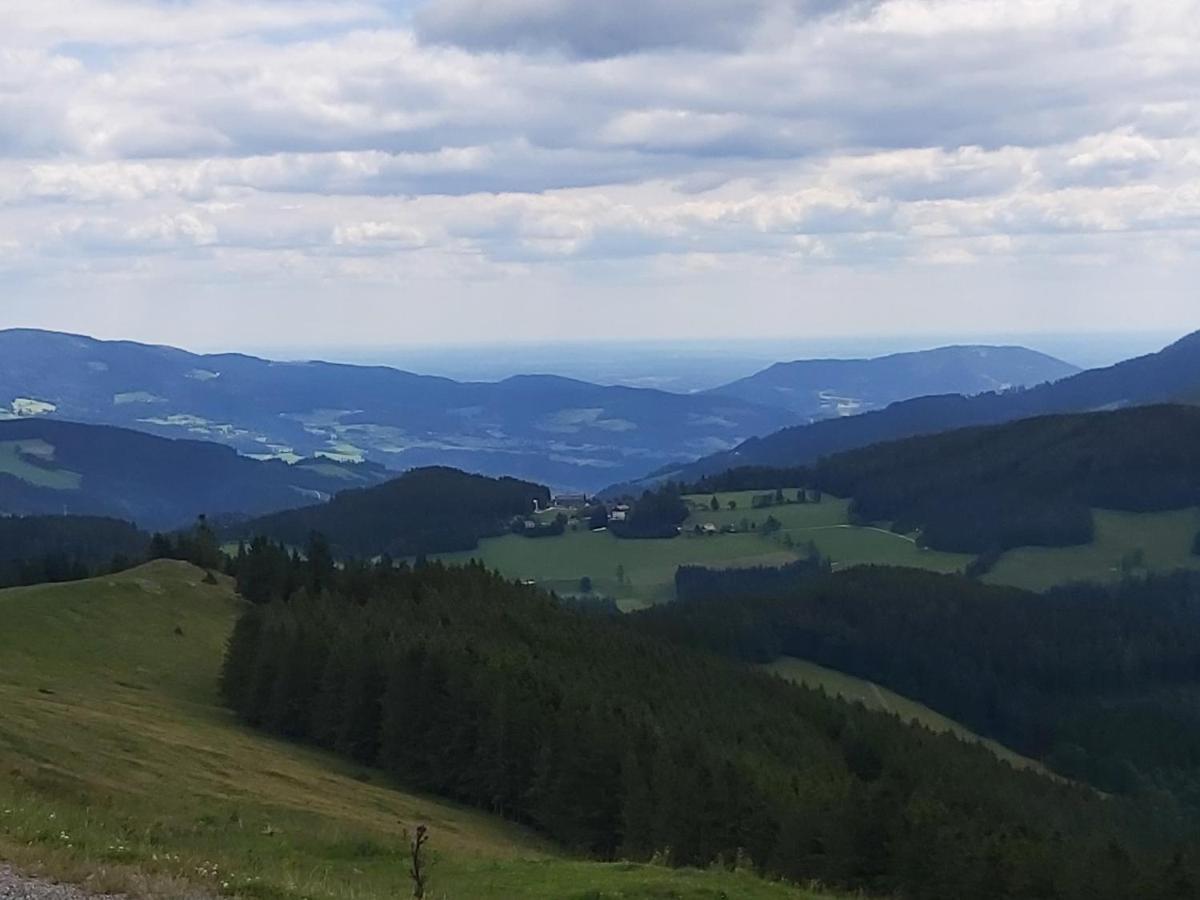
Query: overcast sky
[223, 173]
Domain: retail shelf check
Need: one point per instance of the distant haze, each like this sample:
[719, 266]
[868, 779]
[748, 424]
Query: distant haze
[699, 365]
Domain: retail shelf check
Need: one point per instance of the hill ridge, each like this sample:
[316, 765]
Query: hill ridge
[1160, 377]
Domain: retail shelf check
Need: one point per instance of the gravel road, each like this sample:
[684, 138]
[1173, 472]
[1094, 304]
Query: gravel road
[18, 887]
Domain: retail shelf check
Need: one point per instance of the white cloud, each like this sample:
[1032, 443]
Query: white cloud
[517, 155]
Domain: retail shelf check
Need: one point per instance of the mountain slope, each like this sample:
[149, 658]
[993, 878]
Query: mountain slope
[616, 741]
[1100, 683]
[553, 430]
[823, 388]
[1161, 377]
[872, 696]
[1032, 482]
[118, 767]
[52, 467]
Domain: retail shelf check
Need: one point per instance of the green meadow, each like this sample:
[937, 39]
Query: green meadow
[16, 459]
[1161, 541]
[119, 769]
[640, 573]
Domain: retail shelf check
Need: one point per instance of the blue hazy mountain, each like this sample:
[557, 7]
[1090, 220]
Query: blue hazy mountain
[1170, 375]
[825, 388]
[559, 431]
[50, 467]
[550, 429]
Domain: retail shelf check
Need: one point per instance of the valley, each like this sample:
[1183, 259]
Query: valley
[641, 573]
[320, 654]
[575, 450]
[560, 431]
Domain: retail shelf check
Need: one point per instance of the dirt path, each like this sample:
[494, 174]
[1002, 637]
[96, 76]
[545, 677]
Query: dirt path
[18, 887]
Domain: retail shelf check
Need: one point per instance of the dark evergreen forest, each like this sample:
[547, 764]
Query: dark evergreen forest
[656, 514]
[40, 549]
[1101, 683]
[700, 583]
[1027, 483]
[620, 744]
[432, 510]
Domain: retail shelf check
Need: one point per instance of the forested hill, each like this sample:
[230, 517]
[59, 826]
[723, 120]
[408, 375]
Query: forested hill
[1032, 482]
[432, 510]
[1100, 683]
[623, 746]
[823, 388]
[1171, 375]
[53, 467]
[398, 419]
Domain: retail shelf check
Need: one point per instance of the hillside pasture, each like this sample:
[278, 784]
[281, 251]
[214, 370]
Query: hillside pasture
[32, 462]
[1163, 541]
[119, 769]
[558, 563]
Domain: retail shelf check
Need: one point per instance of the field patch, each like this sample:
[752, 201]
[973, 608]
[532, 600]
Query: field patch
[640, 573]
[1159, 542]
[31, 461]
[636, 572]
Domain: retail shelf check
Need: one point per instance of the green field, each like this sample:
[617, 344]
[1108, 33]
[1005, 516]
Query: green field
[15, 460]
[872, 696]
[648, 566]
[119, 768]
[1165, 540]
[558, 563]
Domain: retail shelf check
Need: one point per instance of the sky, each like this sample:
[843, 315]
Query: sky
[229, 173]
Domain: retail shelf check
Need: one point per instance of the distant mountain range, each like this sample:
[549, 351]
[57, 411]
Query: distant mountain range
[826, 388]
[48, 467]
[568, 433]
[1171, 375]
[557, 431]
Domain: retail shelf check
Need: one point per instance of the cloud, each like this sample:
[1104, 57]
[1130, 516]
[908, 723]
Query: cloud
[116, 24]
[596, 30]
[572, 151]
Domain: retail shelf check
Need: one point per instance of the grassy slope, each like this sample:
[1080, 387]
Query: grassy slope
[118, 765]
[13, 462]
[872, 696]
[1165, 538]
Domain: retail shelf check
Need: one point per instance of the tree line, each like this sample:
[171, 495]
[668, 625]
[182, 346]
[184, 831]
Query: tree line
[41, 549]
[52, 549]
[619, 744]
[656, 514]
[1032, 482]
[700, 583]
